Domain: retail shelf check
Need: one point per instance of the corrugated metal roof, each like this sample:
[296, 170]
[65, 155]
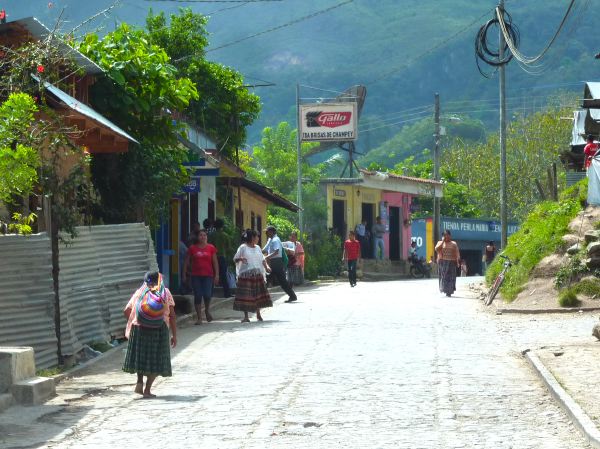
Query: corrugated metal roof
[39, 31]
[84, 109]
[591, 95]
[400, 177]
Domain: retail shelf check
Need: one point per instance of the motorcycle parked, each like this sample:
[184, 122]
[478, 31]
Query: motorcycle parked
[419, 268]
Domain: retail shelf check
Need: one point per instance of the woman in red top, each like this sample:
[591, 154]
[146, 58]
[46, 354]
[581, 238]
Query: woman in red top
[590, 151]
[202, 256]
[352, 256]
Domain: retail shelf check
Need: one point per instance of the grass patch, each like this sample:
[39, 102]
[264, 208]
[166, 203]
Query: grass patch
[100, 346]
[539, 235]
[50, 372]
[587, 287]
[568, 298]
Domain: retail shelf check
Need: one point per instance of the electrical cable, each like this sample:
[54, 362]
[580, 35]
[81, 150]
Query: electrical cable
[508, 36]
[215, 1]
[428, 51]
[279, 27]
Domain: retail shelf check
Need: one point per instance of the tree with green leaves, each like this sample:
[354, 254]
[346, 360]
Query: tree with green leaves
[534, 143]
[274, 164]
[140, 93]
[225, 107]
[19, 162]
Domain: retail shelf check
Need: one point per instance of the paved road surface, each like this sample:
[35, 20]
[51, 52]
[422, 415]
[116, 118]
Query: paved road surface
[382, 365]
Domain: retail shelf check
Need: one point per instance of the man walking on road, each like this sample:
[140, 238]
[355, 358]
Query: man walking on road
[351, 255]
[273, 251]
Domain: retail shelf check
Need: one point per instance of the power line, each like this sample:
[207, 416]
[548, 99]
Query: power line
[293, 22]
[429, 51]
[513, 45]
[215, 1]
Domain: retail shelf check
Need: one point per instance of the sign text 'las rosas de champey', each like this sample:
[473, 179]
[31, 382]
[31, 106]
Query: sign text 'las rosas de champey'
[328, 122]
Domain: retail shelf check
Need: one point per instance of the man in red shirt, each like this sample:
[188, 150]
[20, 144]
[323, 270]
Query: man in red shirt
[590, 151]
[352, 256]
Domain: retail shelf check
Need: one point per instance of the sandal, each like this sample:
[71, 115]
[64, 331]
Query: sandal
[245, 320]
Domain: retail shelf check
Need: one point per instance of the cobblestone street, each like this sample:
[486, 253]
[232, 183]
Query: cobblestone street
[382, 365]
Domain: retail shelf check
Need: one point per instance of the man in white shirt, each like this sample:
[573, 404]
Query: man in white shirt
[273, 251]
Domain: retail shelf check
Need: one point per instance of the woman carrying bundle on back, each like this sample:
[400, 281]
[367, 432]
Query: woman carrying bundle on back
[150, 315]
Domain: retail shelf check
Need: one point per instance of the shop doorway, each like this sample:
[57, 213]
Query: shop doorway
[395, 240]
[339, 224]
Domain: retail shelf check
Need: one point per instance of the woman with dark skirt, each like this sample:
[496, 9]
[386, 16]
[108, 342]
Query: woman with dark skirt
[251, 292]
[151, 331]
[448, 259]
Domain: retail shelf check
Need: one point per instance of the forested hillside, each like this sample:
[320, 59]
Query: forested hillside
[403, 52]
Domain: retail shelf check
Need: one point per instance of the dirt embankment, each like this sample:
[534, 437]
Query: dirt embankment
[539, 292]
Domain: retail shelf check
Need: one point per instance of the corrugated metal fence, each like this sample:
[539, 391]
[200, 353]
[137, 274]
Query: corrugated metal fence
[99, 270]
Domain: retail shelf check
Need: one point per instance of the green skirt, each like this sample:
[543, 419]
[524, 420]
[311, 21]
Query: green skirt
[149, 351]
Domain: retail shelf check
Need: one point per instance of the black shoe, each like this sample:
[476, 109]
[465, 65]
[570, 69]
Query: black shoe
[290, 299]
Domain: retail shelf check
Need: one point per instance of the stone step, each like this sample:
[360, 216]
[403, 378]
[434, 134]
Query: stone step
[33, 391]
[16, 364]
[6, 400]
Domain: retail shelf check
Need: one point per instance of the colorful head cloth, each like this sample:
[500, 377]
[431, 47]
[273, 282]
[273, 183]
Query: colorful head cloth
[151, 305]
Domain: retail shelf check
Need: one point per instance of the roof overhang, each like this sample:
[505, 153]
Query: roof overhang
[14, 33]
[263, 191]
[591, 95]
[99, 134]
[390, 182]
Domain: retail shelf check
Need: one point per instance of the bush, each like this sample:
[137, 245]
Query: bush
[568, 298]
[570, 272]
[323, 255]
[539, 235]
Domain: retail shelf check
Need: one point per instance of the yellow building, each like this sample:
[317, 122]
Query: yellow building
[249, 200]
[351, 201]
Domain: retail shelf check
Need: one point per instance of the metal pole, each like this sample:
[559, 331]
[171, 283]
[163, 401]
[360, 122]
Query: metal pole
[503, 206]
[436, 170]
[299, 162]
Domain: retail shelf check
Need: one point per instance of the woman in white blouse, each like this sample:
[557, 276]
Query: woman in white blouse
[251, 292]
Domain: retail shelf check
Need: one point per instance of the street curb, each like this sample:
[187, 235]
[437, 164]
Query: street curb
[575, 412]
[553, 310]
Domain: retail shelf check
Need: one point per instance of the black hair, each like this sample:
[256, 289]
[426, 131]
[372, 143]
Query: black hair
[248, 235]
[151, 277]
[219, 223]
[447, 231]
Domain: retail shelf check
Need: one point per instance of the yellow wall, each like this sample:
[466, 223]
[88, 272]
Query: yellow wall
[354, 196]
[252, 202]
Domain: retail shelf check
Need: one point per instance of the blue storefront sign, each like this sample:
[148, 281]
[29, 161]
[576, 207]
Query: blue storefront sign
[471, 229]
[193, 186]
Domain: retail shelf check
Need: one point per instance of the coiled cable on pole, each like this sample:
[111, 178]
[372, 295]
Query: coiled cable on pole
[489, 54]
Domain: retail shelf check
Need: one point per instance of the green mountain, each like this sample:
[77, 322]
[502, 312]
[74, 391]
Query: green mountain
[402, 51]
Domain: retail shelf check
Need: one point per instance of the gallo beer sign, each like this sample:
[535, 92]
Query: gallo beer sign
[328, 122]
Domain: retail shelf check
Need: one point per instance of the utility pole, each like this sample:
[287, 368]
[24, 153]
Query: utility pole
[436, 170]
[299, 161]
[502, 86]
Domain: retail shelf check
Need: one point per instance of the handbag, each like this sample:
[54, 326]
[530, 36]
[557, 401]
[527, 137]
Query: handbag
[230, 279]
